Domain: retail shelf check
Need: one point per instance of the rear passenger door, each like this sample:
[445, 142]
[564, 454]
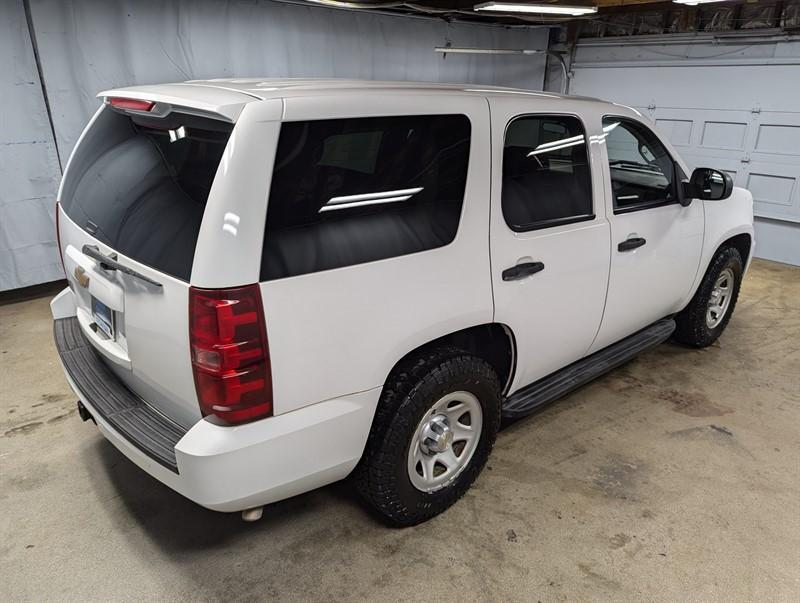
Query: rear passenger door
[549, 236]
[376, 236]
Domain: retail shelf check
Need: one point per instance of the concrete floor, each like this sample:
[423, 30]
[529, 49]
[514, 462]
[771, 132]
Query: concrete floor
[676, 477]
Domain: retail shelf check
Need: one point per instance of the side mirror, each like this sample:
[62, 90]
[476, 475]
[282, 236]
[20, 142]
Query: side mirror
[709, 184]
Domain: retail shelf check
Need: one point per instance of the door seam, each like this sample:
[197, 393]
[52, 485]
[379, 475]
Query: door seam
[491, 201]
[606, 179]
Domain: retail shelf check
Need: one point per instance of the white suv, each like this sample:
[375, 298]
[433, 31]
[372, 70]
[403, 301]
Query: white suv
[273, 284]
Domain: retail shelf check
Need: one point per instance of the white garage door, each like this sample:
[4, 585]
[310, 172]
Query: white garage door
[759, 149]
[729, 107]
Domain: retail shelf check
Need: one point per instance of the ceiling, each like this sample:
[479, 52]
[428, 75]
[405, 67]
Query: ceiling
[610, 11]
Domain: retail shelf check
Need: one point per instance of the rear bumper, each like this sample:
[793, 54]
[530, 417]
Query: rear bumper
[142, 426]
[228, 468]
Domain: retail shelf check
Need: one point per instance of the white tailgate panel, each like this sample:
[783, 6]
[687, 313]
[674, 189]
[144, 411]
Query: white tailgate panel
[151, 353]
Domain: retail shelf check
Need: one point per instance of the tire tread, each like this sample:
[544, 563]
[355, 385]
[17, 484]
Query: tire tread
[375, 475]
[691, 329]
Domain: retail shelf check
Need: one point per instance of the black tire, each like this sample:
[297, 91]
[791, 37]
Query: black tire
[382, 475]
[692, 328]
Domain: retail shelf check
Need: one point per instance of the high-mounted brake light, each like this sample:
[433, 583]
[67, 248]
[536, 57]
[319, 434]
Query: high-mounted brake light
[230, 353]
[134, 104]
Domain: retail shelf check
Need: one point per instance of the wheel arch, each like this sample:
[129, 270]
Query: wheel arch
[740, 239]
[742, 242]
[493, 342]
[726, 222]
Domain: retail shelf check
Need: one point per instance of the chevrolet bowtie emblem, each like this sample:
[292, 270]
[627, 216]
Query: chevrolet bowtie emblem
[81, 277]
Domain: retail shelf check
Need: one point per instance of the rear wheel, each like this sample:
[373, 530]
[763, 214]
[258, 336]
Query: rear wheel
[432, 434]
[705, 318]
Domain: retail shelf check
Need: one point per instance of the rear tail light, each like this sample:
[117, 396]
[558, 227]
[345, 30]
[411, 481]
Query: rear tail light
[230, 354]
[133, 104]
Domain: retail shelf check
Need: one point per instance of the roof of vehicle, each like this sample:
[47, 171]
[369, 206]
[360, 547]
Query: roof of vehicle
[227, 96]
[277, 87]
[265, 88]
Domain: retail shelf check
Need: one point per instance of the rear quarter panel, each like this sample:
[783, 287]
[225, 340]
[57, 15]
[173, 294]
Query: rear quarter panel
[341, 331]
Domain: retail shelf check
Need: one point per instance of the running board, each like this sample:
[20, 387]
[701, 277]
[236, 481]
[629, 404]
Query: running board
[562, 382]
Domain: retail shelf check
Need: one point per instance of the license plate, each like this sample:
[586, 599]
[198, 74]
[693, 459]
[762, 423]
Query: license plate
[103, 317]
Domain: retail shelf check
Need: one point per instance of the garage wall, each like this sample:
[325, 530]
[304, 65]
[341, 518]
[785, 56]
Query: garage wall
[86, 46]
[29, 170]
[724, 105]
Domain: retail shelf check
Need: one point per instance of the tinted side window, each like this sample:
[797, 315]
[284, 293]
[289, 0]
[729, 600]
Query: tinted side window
[349, 191]
[546, 175]
[642, 171]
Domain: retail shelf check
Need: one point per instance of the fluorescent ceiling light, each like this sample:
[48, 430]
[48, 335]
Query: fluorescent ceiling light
[695, 2]
[340, 4]
[546, 9]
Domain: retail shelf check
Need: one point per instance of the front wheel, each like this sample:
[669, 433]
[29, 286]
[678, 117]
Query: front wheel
[432, 434]
[705, 318]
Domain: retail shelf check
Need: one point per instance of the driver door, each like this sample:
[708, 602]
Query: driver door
[655, 241]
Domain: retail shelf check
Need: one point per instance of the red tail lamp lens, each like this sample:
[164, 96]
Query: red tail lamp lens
[134, 104]
[230, 353]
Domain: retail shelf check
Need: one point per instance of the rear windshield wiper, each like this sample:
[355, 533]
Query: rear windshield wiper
[109, 263]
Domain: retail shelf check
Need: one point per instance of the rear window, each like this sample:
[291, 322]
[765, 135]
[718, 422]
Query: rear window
[349, 191]
[140, 185]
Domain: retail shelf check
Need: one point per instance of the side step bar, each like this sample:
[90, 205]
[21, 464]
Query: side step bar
[562, 382]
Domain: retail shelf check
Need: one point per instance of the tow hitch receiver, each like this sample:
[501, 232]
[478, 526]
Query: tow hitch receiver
[84, 414]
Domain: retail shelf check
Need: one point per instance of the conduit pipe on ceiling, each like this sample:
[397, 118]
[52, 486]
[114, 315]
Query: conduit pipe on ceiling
[519, 51]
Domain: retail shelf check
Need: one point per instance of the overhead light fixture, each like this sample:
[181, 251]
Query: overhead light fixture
[543, 9]
[341, 4]
[695, 2]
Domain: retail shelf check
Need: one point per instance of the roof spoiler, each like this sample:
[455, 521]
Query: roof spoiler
[160, 100]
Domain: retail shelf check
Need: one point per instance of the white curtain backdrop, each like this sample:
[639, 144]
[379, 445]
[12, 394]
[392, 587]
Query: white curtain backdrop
[29, 171]
[86, 46]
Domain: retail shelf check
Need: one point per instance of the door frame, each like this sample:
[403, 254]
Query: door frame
[504, 111]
